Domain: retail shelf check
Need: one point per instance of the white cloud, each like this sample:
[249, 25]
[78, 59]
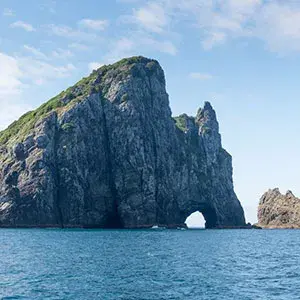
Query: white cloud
[94, 65]
[243, 9]
[49, 6]
[152, 32]
[78, 46]
[158, 45]
[39, 72]
[168, 47]
[279, 26]
[11, 109]
[36, 52]
[120, 49]
[214, 38]
[200, 76]
[7, 12]
[62, 53]
[57, 53]
[137, 44]
[70, 33]
[23, 25]
[10, 90]
[152, 17]
[276, 23]
[10, 75]
[220, 21]
[18, 74]
[93, 24]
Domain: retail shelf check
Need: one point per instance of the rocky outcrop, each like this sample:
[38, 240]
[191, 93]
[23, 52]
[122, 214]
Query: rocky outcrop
[107, 153]
[276, 210]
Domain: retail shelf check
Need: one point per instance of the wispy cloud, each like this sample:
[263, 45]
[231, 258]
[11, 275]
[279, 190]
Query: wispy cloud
[120, 48]
[214, 39]
[10, 74]
[17, 74]
[152, 17]
[58, 53]
[150, 28]
[7, 12]
[49, 6]
[276, 23]
[35, 52]
[200, 76]
[22, 25]
[158, 45]
[11, 88]
[93, 24]
[62, 53]
[79, 46]
[70, 33]
[40, 72]
[136, 45]
[279, 26]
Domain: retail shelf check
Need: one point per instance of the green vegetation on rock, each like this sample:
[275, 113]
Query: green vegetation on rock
[21, 127]
[180, 122]
[67, 126]
[96, 82]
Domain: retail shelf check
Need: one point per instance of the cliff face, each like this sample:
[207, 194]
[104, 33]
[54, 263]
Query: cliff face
[107, 153]
[276, 210]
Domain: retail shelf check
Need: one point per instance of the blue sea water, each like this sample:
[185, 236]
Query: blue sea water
[149, 264]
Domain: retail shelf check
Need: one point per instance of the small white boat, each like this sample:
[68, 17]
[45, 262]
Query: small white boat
[154, 227]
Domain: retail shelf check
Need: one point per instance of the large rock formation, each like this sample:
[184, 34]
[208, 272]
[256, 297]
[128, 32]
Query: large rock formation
[276, 210]
[107, 153]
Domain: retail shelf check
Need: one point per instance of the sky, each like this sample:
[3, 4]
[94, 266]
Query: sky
[241, 55]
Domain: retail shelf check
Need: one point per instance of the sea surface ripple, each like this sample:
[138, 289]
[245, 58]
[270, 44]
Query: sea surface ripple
[149, 264]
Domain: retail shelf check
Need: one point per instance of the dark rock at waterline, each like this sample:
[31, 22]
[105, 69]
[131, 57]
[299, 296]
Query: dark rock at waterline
[106, 153]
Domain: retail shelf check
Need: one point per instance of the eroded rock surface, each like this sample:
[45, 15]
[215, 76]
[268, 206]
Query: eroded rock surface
[277, 210]
[107, 153]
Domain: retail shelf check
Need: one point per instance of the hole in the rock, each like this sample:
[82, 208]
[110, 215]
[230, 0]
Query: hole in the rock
[195, 220]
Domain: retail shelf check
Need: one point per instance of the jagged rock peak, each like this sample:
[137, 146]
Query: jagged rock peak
[289, 194]
[206, 118]
[107, 153]
[205, 121]
[209, 129]
[278, 210]
[207, 106]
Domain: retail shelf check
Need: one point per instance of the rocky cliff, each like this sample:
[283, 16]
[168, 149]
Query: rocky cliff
[276, 210]
[107, 153]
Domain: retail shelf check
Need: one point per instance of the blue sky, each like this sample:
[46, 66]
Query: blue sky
[241, 55]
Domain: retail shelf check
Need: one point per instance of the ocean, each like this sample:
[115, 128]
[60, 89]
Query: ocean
[149, 264]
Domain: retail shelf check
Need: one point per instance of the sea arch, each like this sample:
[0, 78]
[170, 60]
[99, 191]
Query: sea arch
[202, 218]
